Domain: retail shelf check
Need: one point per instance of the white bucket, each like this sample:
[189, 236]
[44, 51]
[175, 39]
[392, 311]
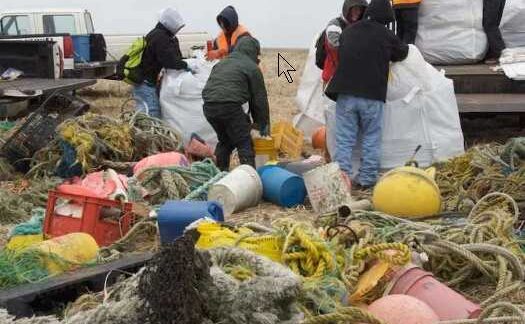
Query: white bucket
[240, 189]
[326, 188]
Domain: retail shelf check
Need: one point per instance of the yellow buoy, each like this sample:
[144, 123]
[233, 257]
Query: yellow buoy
[408, 192]
[66, 252]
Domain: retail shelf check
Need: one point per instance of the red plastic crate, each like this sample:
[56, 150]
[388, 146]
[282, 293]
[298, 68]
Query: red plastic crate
[91, 218]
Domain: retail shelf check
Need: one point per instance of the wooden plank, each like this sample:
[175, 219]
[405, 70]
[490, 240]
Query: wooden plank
[491, 103]
[480, 78]
[468, 70]
[24, 295]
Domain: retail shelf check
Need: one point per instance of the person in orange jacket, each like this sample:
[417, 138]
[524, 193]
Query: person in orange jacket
[231, 32]
[406, 19]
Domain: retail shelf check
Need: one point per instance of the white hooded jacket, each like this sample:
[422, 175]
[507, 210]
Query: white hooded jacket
[171, 19]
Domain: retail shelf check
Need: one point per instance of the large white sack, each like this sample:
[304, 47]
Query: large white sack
[310, 98]
[181, 101]
[421, 109]
[451, 31]
[513, 23]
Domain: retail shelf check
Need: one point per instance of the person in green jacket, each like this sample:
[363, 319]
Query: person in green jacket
[234, 81]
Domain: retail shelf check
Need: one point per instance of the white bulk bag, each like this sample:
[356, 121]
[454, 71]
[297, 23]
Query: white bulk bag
[181, 101]
[513, 23]
[421, 109]
[310, 99]
[451, 31]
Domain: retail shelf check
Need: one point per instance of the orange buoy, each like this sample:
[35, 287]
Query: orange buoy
[402, 309]
[319, 138]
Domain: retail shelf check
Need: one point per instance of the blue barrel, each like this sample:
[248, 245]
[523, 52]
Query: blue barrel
[81, 47]
[174, 216]
[282, 187]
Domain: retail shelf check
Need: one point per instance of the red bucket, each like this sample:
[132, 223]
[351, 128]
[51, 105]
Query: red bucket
[447, 303]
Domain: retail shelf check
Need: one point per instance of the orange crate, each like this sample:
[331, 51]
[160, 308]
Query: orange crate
[91, 218]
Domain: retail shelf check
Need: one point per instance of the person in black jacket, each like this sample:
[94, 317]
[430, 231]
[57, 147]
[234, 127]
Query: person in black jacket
[162, 51]
[360, 86]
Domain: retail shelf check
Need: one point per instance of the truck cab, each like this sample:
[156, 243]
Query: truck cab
[53, 21]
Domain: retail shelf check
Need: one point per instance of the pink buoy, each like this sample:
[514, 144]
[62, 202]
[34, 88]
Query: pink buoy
[402, 309]
[161, 160]
[447, 304]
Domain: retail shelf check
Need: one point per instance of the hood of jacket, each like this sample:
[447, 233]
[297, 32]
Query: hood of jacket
[171, 20]
[230, 17]
[248, 46]
[349, 4]
[380, 11]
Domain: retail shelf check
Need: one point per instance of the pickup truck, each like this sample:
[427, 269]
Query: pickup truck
[80, 22]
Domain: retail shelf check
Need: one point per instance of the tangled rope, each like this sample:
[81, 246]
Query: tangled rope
[91, 141]
[177, 183]
[483, 247]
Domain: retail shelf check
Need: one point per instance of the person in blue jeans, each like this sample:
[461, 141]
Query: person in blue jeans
[360, 86]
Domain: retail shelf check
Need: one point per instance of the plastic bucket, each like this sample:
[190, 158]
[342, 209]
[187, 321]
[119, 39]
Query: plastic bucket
[446, 303]
[282, 187]
[264, 151]
[240, 189]
[174, 216]
[326, 188]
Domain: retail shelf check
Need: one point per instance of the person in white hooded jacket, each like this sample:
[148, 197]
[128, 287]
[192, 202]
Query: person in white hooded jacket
[162, 52]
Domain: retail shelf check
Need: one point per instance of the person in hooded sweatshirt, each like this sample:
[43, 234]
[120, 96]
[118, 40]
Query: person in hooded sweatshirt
[162, 52]
[233, 82]
[352, 12]
[360, 86]
[231, 32]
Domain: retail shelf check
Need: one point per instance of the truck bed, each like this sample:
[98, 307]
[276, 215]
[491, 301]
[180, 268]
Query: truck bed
[35, 86]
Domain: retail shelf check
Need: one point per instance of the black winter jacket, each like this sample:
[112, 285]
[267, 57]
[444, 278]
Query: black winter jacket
[365, 53]
[162, 51]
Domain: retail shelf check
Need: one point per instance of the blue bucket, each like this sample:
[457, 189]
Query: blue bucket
[282, 187]
[174, 216]
[81, 46]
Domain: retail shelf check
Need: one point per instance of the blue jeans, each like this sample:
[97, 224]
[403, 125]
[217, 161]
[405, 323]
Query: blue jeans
[146, 94]
[354, 115]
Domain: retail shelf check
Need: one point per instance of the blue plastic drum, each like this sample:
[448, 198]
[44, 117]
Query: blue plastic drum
[174, 216]
[282, 187]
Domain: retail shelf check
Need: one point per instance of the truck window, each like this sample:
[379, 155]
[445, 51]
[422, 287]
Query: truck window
[15, 25]
[89, 23]
[59, 24]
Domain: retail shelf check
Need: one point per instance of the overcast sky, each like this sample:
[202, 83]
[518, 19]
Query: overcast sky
[277, 23]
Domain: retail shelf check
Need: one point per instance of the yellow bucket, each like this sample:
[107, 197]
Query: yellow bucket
[408, 192]
[264, 151]
[66, 252]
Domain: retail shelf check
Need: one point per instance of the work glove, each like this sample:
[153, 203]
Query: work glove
[215, 55]
[264, 130]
